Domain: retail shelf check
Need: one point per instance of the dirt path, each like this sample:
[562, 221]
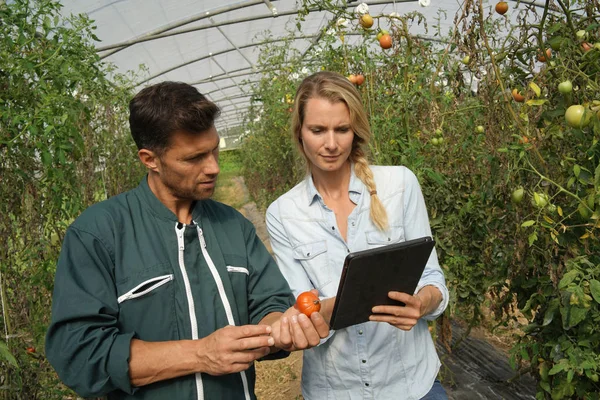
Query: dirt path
[476, 370]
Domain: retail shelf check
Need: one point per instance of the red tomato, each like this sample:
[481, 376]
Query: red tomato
[31, 350]
[308, 303]
[502, 7]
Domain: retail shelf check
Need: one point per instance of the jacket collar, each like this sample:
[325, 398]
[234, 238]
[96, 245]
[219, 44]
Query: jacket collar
[355, 188]
[158, 208]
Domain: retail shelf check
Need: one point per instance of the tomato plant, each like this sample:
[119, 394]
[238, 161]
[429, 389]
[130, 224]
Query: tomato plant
[308, 303]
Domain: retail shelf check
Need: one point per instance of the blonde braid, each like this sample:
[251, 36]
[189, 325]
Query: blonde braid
[364, 173]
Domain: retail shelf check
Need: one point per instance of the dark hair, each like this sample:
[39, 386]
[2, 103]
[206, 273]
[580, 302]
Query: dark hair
[157, 111]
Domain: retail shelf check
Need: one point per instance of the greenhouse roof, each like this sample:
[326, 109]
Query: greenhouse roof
[212, 44]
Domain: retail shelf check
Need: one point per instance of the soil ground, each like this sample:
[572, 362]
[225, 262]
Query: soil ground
[477, 369]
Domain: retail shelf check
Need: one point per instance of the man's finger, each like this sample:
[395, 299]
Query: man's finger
[249, 356]
[239, 332]
[254, 343]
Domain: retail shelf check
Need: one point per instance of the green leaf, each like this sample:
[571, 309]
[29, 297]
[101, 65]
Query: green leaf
[572, 315]
[559, 367]
[550, 311]
[6, 355]
[595, 290]
[576, 170]
[538, 102]
[532, 238]
[568, 278]
[536, 89]
[528, 223]
[46, 158]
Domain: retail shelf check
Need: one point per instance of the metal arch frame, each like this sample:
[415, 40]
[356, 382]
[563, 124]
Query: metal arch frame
[205, 14]
[169, 30]
[164, 31]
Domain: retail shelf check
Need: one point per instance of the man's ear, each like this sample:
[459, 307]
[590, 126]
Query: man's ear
[149, 159]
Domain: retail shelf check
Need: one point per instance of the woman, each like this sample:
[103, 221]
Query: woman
[342, 206]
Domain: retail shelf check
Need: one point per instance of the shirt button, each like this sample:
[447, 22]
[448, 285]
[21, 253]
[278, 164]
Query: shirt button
[360, 332]
[307, 254]
[364, 361]
[389, 239]
[353, 224]
[333, 228]
[366, 384]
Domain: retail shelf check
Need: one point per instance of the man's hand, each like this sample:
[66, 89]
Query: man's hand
[405, 318]
[234, 348]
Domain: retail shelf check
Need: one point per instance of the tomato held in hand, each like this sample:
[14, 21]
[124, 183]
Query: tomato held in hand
[308, 303]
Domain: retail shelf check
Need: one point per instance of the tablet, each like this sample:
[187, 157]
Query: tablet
[369, 275]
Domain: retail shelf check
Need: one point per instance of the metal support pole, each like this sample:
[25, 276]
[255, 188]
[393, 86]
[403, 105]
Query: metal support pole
[231, 43]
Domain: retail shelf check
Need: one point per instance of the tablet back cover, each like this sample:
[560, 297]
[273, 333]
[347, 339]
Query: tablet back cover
[369, 275]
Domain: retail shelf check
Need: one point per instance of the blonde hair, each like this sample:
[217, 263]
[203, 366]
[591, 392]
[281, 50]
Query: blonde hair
[334, 87]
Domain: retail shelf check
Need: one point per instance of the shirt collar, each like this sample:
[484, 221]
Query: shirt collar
[355, 188]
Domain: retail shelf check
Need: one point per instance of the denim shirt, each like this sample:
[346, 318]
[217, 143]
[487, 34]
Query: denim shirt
[371, 360]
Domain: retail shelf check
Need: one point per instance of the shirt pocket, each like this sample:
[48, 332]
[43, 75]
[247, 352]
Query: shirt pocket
[378, 238]
[238, 273]
[315, 261]
[147, 303]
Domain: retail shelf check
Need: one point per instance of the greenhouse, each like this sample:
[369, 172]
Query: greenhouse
[474, 122]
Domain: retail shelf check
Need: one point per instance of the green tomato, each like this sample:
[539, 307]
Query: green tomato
[581, 34]
[466, 60]
[577, 116]
[480, 129]
[565, 87]
[435, 141]
[517, 195]
[556, 42]
[540, 200]
[440, 140]
[438, 132]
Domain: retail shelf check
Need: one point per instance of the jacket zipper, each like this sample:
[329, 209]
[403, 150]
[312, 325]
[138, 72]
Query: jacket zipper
[223, 295]
[190, 300]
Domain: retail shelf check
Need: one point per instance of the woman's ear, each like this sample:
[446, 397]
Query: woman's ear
[149, 159]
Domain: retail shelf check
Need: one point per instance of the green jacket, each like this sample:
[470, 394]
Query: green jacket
[123, 272]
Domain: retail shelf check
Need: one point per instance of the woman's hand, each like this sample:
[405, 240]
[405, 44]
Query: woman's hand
[405, 318]
[295, 331]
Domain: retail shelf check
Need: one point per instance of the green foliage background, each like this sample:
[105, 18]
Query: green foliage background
[64, 144]
[532, 266]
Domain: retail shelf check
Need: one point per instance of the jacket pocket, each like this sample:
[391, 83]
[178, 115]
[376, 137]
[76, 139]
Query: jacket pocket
[241, 270]
[378, 238]
[145, 287]
[146, 299]
[314, 259]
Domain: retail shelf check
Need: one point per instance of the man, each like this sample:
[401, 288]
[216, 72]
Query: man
[160, 292]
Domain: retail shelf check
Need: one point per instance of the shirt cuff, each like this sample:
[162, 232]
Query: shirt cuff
[443, 304]
[118, 362]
